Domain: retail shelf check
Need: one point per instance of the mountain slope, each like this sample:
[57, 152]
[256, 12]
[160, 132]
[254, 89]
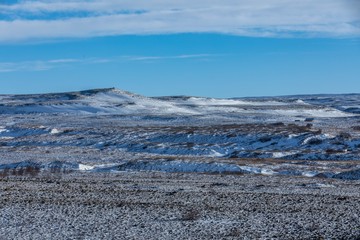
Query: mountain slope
[114, 101]
[100, 101]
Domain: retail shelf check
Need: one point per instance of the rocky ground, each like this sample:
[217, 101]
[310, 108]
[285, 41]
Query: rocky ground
[152, 205]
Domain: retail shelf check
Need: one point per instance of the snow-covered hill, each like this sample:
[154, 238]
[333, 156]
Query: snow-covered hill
[99, 101]
[114, 101]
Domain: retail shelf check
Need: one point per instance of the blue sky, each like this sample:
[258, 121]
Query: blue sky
[233, 49]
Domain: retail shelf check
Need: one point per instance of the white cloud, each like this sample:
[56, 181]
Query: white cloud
[274, 18]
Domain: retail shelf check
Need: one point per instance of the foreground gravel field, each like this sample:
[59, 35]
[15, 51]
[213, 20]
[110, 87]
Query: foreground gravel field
[143, 205]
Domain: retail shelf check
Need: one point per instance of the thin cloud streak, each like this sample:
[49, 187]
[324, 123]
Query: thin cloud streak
[145, 58]
[33, 66]
[44, 65]
[63, 61]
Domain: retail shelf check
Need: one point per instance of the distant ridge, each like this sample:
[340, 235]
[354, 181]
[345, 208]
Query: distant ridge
[90, 92]
[81, 92]
[116, 101]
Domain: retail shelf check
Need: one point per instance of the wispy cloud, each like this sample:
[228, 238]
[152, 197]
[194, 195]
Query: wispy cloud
[270, 18]
[36, 65]
[146, 58]
[63, 60]
[43, 65]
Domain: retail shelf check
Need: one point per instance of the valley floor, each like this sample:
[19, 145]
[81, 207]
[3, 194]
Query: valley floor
[153, 205]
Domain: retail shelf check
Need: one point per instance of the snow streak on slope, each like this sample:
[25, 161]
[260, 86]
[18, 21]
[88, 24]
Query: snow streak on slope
[181, 166]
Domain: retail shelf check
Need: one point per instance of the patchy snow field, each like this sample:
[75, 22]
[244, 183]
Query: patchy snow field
[113, 130]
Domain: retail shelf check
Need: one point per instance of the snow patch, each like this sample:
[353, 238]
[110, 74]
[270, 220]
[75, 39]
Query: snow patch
[282, 154]
[83, 167]
[317, 138]
[310, 173]
[318, 113]
[229, 102]
[216, 154]
[55, 131]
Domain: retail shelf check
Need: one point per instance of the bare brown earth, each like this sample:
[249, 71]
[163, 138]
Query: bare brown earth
[152, 205]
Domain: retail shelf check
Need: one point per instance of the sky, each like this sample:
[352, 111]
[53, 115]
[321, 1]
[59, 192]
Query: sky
[228, 48]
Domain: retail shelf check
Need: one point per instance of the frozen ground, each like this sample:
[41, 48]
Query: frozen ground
[57, 143]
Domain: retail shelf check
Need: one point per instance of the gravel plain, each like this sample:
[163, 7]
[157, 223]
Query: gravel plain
[153, 205]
